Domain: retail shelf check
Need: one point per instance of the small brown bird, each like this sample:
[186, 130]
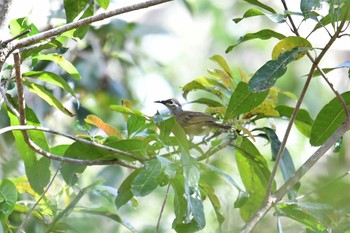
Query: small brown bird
[193, 123]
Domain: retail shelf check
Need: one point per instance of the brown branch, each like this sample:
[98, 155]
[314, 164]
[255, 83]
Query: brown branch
[267, 204]
[10, 47]
[38, 149]
[59, 30]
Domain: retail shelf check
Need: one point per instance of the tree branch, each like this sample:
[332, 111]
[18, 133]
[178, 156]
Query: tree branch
[5, 52]
[319, 153]
[59, 30]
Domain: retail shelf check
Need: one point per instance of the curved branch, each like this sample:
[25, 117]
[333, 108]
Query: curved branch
[59, 30]
[266, 205]
[10, 47]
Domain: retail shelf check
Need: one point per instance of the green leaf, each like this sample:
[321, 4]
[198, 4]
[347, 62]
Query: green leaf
[74, 10]
[17, 26]
[79, 150]
[276, 18]
[188, 207]
[208, 102]
[165, 127]
[60, 61]
[334, 15]
[313, 215]
[205, 84]
[47, 96]
[8, 198]
[290, 43]
[306, 6]
[50, 78]
[286, 164]
[345, 64]
[328, 120]
[215, 202]
[135, 124]
[103, 3]
[272, 70]
[261, 5]
[126, 110]
[264, 34]
[148, 179]
[38, 183]
[303, 120]
[227, 177]
[135, 146]
[255, 176]
[107, 213]
[222, 63]
[243, 100]
[39, 174]
[124, 192]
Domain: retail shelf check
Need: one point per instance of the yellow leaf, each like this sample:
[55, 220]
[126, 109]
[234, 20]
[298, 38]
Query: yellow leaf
[107, 128]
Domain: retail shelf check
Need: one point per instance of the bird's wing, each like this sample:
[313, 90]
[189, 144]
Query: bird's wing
[197, 117]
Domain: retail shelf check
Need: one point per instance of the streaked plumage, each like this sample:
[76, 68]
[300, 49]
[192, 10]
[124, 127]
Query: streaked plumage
[193, 123]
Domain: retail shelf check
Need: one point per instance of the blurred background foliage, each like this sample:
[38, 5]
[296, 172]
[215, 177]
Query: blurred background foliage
[149, 55]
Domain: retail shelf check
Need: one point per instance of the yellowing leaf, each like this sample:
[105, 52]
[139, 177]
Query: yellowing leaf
[107, 128]
[290, 43]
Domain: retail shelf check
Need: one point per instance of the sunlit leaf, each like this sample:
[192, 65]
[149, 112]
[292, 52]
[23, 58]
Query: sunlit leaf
[205, 84]
[60, 61]
[328, 120]
[148, 178]
[290, 43]
[50, 78]
[267, 75]
[19, 25]
[242, 101]
[8, 198]
[107, 128]
[47, 96]
[266, 108]
[103, 3]
[264, 34]
[126, 110]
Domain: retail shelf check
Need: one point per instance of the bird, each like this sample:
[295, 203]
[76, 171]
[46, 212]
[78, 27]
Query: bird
[193, 123]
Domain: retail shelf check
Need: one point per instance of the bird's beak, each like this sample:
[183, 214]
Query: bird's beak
[159, 101]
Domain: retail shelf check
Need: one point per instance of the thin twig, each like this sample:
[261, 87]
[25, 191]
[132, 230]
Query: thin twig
[162, 208]
[303, 169]
[86, 21]
[4, 43]
[26, 219]
[38, 149]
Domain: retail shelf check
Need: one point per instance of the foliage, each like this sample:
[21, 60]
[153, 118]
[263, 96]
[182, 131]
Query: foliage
[152, 154]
